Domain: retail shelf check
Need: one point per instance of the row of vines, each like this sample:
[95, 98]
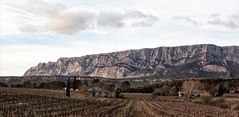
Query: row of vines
[169, 106]
[13, 104]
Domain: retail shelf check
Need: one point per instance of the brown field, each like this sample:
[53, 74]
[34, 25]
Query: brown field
[16, 102]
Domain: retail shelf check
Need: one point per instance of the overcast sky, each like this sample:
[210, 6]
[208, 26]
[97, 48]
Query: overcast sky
[34, 31]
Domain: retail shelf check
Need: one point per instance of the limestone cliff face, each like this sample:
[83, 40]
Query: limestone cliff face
[174, 62]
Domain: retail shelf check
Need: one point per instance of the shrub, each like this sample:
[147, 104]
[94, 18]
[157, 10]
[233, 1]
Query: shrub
[95, 81]
[117, 93]
[235, 107]
[173, 91]
[52, 85]
[216, 101]
[124, 86]
[203, 100]
[17, 86]
[75, 84]
[27, 85]
[3, 85]
[164, 91]
[218, 90]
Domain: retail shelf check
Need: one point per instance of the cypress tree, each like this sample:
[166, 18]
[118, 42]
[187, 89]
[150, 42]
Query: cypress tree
[68, 88]
[220, 89]
[74, 87]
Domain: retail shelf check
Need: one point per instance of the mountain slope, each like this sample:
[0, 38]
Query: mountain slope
[204, 60]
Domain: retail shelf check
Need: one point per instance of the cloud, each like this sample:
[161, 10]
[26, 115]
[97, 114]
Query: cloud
[70, 22]
[28, 28]
[111, 19]
[37, 7]
[128, 18]
[73, 22]
[56, 17]
[230, 22]
[27, 16]
[188, 19]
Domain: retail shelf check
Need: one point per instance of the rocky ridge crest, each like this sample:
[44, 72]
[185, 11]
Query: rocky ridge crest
[205, 60]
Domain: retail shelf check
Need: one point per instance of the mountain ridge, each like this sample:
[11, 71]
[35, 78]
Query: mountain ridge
[203, 60]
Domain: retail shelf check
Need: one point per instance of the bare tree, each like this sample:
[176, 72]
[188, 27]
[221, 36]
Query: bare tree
[189, 86]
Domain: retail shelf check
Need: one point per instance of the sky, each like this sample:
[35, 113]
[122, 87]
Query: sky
[34, 31]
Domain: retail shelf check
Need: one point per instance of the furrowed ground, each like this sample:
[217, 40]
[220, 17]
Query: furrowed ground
[15, 102]
[48, 103]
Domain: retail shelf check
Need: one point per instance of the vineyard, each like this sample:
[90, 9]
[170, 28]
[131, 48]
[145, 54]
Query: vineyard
[50, 103]
[14, 104]
[171, 106]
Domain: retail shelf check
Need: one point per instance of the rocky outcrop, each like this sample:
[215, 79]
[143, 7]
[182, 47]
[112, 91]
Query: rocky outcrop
[204, 60]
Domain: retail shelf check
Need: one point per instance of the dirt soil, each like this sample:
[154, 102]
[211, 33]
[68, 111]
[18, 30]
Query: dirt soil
[137, 110]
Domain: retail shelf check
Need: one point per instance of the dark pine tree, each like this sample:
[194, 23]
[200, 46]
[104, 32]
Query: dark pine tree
[220, 89]
[68, 88]
[74, 87]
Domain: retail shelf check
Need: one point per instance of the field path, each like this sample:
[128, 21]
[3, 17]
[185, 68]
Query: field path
[137, 109]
